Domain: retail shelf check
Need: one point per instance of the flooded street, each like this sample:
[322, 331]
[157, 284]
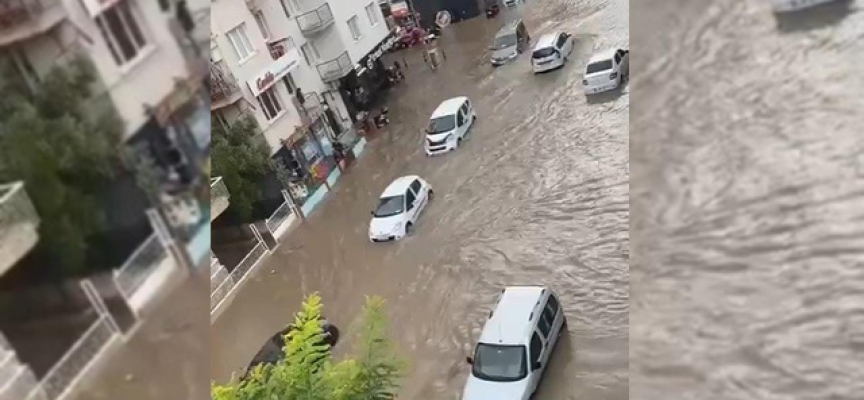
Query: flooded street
[538, 194]
[748, 202]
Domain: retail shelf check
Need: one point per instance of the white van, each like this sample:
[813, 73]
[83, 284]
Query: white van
[449, 125]
[515, 345]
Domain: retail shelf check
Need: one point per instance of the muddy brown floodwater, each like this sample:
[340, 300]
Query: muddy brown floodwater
[747, 277]
[537, 195]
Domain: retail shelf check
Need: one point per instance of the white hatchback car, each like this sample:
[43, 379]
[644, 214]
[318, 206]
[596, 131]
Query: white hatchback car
[398, 208]
[449, 125]
[794, 5]
[551, 51]
[606, 70]
[515, 345]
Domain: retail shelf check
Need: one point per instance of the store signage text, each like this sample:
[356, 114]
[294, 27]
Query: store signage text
[386, 45]
[275, 71]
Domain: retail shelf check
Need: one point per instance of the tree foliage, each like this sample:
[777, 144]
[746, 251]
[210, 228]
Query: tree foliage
[308, 372]
[65, 151]
[242, 161]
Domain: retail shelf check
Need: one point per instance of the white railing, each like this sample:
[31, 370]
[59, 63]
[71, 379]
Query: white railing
[219, 197]
[231, 280]
[19, 224]
[60, 377]
[138, 267]
[278, 217]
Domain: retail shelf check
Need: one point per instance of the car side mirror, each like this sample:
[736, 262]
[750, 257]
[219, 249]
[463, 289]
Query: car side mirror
[537, 365]
[372, 212]
[469, 360]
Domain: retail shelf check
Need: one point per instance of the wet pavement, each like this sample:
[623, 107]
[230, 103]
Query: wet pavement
[164, 357]
[748, 202]
[537, 195]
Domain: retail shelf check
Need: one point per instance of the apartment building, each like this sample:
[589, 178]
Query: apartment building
[142, 70]
[284, 62]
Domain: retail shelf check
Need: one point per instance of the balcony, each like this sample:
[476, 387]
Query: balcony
[335, 68]
[279, 48]
[219, 197]
[317, 20]
[24, 19]
[223, 86]
[19, 225]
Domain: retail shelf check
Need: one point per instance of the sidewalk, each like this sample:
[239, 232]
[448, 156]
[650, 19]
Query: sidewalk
[166, 357]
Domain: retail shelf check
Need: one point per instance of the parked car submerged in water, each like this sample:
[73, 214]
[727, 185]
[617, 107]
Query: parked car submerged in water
[606, 70]
[449, 125]
[515, 345]
[398, 208]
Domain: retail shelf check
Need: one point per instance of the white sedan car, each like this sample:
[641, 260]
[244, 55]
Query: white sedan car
[398, 208]
[794, 5]
[606, 70]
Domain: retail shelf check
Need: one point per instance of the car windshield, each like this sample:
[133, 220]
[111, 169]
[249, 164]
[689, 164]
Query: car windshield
[544, 52]
[390, 206]
[599, 66]
[503, 42]
[499, 363]
[441, 125]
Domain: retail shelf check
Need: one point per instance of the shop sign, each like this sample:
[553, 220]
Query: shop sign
[275, 71]
[382, 48]
[96, 7]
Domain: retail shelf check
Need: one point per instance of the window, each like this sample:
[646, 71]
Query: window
[460, 120]
[289, 83]
[262, 24]
[441, 125]
[536, 347]
[269, 101]
[499, 363]
[310, 53]
[390, 206]
[286, 7]
[372, 13]
[416, 186]
[240, 43]
[552, 304]
[121, 31]
[354, 28]
[409, 200]
[562, 39]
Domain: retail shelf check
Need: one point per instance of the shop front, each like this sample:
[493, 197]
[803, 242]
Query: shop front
[311, 163]
[363, 89]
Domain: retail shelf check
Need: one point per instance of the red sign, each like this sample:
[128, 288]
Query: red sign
[266, 81]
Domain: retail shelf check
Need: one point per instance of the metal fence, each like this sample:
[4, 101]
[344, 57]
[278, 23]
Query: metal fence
[279, 216]
[229, 281]
[138, 267]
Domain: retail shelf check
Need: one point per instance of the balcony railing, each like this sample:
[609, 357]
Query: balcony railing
[316, 20]
[18, 224]
[335, 68]
[223, 85]
[219, 197]
[22, 19]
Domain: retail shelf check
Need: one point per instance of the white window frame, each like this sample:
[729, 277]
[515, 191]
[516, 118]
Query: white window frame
[274, 97]
[312, 56]
[372, 14]
[354, 28]
[262, 25]
[139, 42]
[243, 41]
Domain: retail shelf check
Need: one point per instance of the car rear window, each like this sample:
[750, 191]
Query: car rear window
[544, 52]
[599, 66]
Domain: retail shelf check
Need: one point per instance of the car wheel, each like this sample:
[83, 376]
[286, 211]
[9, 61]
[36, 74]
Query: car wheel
[409, 227]
[431, 194]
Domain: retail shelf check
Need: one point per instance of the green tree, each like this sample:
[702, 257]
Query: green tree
[66, 150]
[308, 372]
[242, 160]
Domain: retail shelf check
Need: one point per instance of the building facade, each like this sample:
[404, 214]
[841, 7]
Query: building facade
[142, 71]
[282, 63]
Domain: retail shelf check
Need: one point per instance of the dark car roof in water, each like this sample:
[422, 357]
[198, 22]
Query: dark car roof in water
[271, 352]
